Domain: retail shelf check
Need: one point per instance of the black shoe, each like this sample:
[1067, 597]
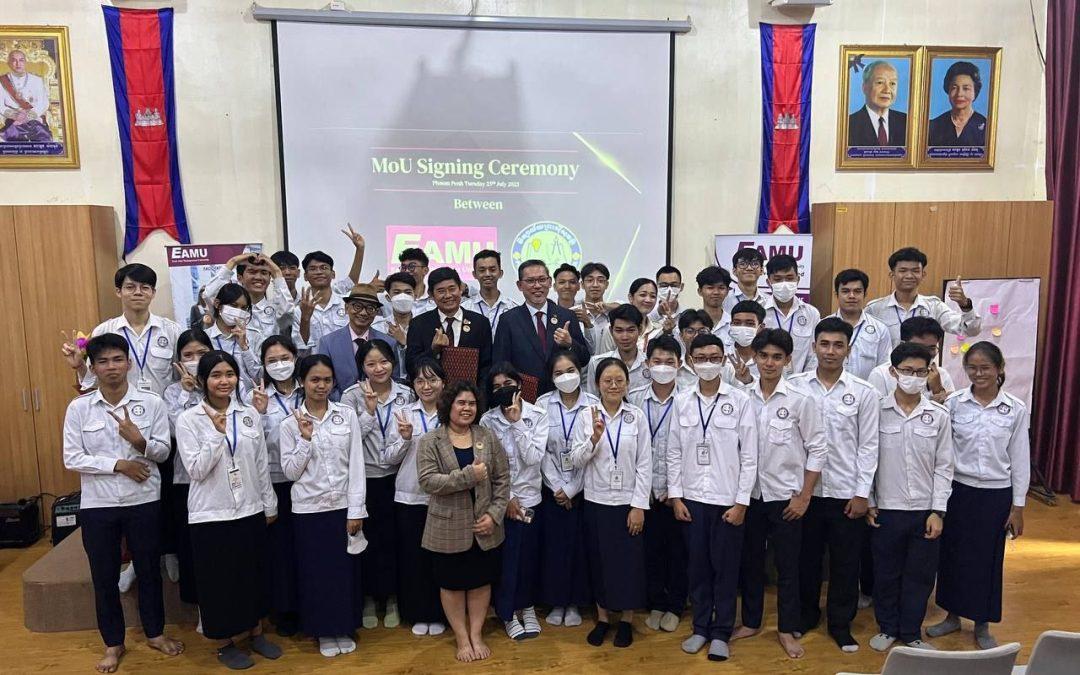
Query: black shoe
[598, 633]
[624, 634]
[287, 624]
[234, 658]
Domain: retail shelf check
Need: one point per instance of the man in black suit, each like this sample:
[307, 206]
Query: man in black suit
[448, 325]
[876, 124]
[529, 333]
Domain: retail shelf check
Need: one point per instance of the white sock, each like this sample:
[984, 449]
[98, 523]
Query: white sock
[572, 617]
[436, 628]
[555, 616]
[328, 647]
[127, 578]
[172, 567]
[420, 629]
[346, 644]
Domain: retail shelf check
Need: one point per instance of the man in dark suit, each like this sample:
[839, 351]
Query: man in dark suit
[361, 306]
[529, 333]
[448, 325]
[876, 124]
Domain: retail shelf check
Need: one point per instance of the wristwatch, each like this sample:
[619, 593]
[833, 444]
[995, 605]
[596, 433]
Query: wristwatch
[940, 514]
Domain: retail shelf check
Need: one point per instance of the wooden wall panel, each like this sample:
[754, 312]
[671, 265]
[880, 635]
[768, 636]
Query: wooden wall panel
[980, 240]
[858, 233]
[1030, 240]
[18, 457]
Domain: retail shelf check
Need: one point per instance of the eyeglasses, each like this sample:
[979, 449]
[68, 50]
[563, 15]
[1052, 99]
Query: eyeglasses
[536, 281]
[695, 331]
[745, 265]
[411, 266]
[361, 308]
[144, 288]
[979, 370]
[711, 359]
[913, 372]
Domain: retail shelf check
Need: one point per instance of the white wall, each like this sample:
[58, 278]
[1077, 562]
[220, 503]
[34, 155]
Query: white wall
[227, 126]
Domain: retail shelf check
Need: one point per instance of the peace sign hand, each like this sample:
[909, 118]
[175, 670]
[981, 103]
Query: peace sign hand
[513, 411]
[128, 430]
[307, 303]
[371, 399]
[239, 332]
[742, 369]
[187, 380]
[304, 424]
[70, 350]
[259, 399]
[404, 426]
[378, 283]
[355, 237]
[397, 332]
[218, 419]
[598, 425]
[562, 335]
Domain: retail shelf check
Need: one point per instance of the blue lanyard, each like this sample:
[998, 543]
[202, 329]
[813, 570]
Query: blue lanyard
[562, 417]
[494, 314]
[899, 319]
[705, 420]
[146, 348]
[232, 352]
[383, 424]
[423, 420]
[618, 438]
[858, 329]
[284, 409]
[232, 443]
[648, 413]
[791, 321]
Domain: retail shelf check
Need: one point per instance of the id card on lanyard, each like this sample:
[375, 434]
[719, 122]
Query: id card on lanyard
[704, 454]
[616, 472]
[564, 453]
[236, 482]
[144, 380]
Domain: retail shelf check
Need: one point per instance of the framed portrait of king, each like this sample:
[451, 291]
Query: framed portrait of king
[37, 110]
[878, 102]
[958, 128]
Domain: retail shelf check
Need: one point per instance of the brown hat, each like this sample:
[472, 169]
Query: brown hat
[364, 293]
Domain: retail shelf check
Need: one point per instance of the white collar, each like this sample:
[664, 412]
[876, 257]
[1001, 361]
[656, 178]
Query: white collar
[874, 116]
[457, 316]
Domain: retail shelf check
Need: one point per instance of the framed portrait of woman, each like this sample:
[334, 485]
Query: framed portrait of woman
[878, 102]
[958, 129]
[37, 111]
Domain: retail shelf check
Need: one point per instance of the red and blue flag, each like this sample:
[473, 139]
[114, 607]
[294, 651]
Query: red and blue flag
[141, 53]
[787, 74]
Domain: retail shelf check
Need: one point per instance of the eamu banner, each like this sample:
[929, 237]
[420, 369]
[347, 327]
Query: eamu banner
[191, 267]
[787, 74]
[140, 52]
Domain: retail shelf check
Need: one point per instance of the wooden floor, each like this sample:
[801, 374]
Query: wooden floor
[1042, 591]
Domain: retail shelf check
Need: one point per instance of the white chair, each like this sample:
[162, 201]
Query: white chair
[911, 661]
[1056, 652]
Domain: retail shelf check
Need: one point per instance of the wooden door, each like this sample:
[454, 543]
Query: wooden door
[18, 450]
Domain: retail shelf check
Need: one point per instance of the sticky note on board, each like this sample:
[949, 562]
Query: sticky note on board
[955, 349]
[996, 332]
[994, 309]
[965, 347]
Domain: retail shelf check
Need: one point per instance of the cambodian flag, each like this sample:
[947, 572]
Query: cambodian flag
[140, 49]
[787, 73]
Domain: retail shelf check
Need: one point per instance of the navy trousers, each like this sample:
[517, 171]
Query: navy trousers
[905, 564]
[665, 560]
[715, 552]
[826, 527]
[102, 530]
[765, 524]
[520, 567]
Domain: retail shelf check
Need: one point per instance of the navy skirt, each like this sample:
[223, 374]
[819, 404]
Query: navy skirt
[178, 495]
[417, 592]
[973, 552]
[616, 559]
[564, 573]
[281, 556]
[520, 565]
[229, 557]
[379, 560]
[326, 573]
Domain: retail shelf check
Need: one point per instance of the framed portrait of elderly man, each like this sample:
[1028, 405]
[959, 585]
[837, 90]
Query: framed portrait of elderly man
[37, 111]
[960, 100]
[877, 107]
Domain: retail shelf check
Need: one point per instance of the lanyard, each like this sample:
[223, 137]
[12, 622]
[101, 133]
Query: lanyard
[858, 329]
[232, 443]
[648, 413]
[567, 431]
[141, 363]
[494, 312]
[900, 319]
[705, 420]
[618, 438]
[384, 423]
[423, 419]
[232, 351]
[284, 409]
[790, 323]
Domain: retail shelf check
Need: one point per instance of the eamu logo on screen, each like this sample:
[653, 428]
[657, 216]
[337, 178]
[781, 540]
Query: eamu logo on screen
[445, 246]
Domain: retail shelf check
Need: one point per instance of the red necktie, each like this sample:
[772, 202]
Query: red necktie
[882, 136]
[541, 332]
[450, 329]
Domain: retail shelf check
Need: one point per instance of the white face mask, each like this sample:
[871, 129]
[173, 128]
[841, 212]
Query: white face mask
[667, 294]
[911, 384]
[662, 374]
[234, 316]
[784, 291]
[708, 371]
[279, 371]
[567, 383]
[191, 367]
[402, 303]
[742, 335]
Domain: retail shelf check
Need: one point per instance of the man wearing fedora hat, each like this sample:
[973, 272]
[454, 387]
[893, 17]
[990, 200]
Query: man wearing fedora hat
[362, 305]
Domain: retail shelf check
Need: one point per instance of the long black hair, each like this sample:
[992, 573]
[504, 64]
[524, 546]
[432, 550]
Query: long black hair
[281, 341]
[207, 363]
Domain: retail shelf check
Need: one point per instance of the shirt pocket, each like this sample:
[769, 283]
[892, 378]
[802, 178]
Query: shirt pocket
[925, 438]
[96, 437]
[779, 432]
[1001, 426]
[160, 360]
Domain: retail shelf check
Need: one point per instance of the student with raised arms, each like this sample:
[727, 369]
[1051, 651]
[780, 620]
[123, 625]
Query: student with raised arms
[320, 309]
[262, 279]
[711, 470]
[615, 452]
[564, 574]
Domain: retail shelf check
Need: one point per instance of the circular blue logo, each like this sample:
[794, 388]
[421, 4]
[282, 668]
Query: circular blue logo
[551, 242]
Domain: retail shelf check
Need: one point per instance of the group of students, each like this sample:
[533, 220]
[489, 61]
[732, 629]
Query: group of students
[314, 485]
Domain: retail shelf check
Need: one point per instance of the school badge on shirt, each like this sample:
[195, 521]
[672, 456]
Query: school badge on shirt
[162, 341]
[628, 417]
[801, 320]
[1004, 408]
[336, 418]
[137, 410]
[248, 422]
[527, 422]
[871, 328]
[727, 409]
[927, 418]
[848, 399]
[783, 413]
[400, 400]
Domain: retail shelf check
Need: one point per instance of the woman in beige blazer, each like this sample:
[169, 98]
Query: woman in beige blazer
[465, 470]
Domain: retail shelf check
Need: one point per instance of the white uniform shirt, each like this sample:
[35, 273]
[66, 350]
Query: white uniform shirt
[327, 471]
[639, 372]
[882, 380]
[425, 303]
[402, 453]
[991, 445]
[722, 330]
[851, 411]
[266, 314]
[799, 322]
[735, 296]
[915, 461]
[92, 446]
[491, 312]
[247, 359]
[379, 430]
[177, 400]
[791, 440]
[658, 416]
[870, 345]
[888, 311]
[152, 352]
[323, 320]
[715, 462]
[632, 467]
[225, 484]
[525, 443]
[278, 408]
[557, 467]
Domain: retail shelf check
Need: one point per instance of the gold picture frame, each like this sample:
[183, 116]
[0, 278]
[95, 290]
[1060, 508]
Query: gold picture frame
[37, 109]
[954, 82]
[893, 103]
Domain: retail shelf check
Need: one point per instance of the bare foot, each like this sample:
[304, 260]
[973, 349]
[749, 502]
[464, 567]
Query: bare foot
[480, 650]
[791, 645]
[465, 651]
[111, 660]
[743, 632]
[166, 645]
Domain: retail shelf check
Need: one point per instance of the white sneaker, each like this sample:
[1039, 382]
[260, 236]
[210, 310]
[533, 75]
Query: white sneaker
[419, 629]
[572, 617]
[127, 578]
[328, 647]
[346, 644]
[436, 628]
[555, 616]
[881, 642]
[921, 644]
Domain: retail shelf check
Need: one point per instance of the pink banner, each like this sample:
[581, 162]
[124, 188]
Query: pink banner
[445, 246]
